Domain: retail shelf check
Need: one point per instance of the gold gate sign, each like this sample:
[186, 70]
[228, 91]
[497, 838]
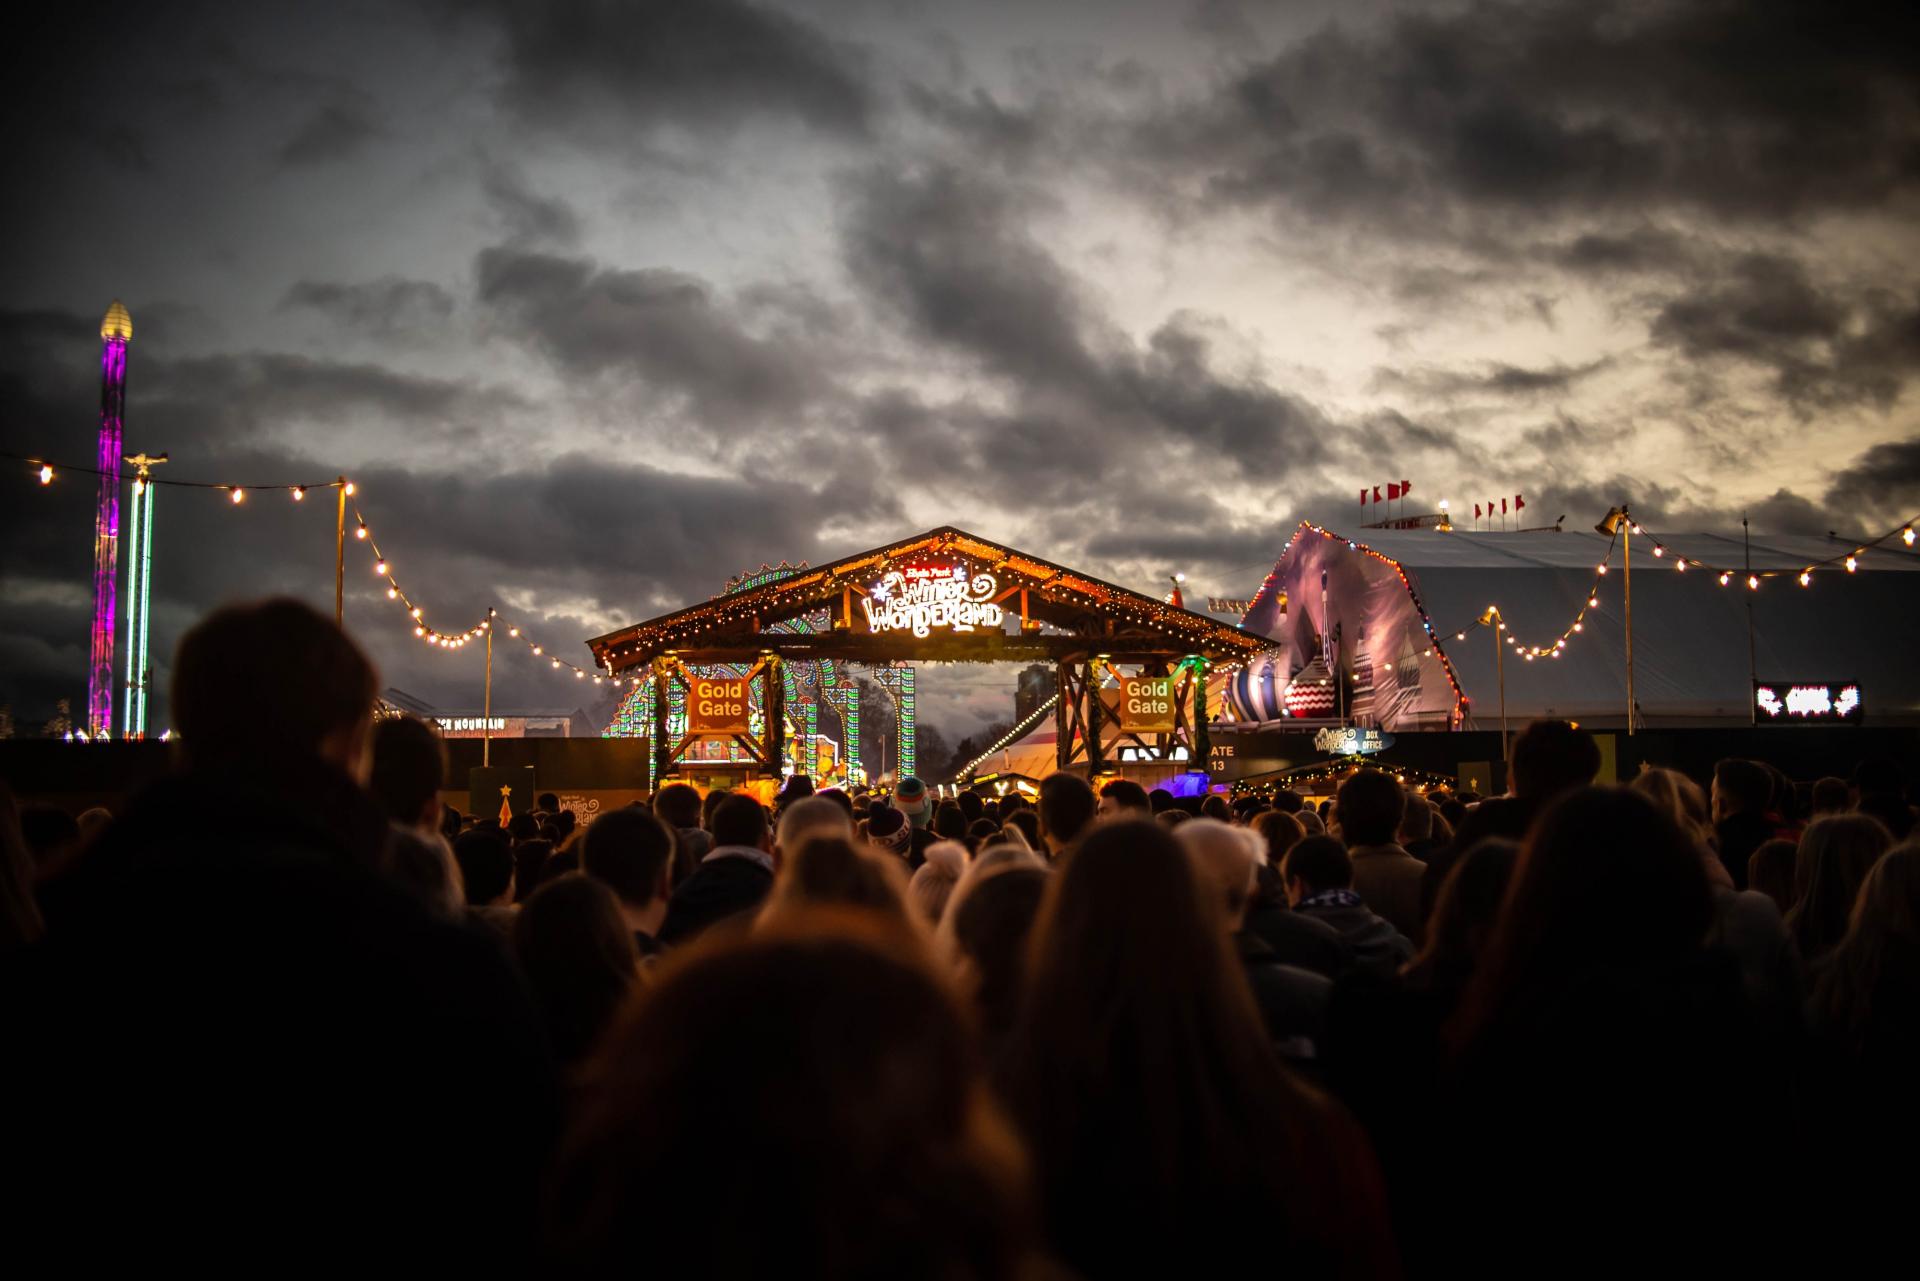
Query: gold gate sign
[1146, 704]
[717, 706]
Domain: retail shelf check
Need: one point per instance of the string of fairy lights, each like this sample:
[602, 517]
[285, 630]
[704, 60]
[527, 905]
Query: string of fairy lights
[45, 472]
[493, 621]
[1724, 575]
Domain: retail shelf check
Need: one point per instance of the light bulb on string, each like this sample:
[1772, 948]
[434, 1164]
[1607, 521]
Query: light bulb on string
[1906, 535]
[1805, 578]
[380, 568]
[1853, 564]
[46, 474]
[299, 493]
[349, 489]
[392, 593]
[1753, 582]
[361, 533]
[1725, 579]
[238, 494]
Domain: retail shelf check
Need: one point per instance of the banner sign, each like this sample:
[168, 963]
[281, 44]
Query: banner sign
[923, 597]
[1145, 705]
[1352, 742]
[717, 706]
[1783, 703]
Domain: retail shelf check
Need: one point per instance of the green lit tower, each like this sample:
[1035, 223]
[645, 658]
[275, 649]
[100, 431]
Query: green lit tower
[133, 716]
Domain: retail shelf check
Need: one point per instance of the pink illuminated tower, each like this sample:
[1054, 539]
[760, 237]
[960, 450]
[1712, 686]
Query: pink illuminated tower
[116, 330]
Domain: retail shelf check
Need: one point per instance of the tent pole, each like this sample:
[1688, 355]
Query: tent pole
[1627, 543]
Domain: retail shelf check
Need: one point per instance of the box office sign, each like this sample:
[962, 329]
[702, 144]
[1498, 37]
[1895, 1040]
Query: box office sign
[717, 706]
[1145, 705]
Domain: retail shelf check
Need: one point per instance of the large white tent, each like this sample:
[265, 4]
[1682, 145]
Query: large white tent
[1383, 610]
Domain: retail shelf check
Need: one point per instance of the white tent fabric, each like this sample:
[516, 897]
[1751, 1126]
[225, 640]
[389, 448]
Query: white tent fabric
[1690, 634]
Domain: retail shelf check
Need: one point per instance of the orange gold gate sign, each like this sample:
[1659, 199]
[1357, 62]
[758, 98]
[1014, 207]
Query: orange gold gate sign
[1146, 704]
[717, 706]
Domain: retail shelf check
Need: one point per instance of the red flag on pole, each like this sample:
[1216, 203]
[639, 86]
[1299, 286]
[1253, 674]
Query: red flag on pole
[1406, 487]
[1393, 491]
[1503, 506]
[1363, 497]
[1476, 511]
[1518, 502]
[1376, 494]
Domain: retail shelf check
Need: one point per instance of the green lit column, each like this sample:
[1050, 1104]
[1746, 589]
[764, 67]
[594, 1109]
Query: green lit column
[133, 722]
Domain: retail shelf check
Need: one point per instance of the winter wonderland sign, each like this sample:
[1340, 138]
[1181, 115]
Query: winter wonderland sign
[921, 598]
[1352, 742]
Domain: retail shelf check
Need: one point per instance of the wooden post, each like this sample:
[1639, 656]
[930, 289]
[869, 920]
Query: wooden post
[662, 745]
[1202, 739]
[486, 701]
[340, 553]
[1096, 758]
[774, 703]
[1063, 695]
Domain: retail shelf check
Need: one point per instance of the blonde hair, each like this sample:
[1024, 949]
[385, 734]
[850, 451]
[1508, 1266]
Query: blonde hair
[1680, 798]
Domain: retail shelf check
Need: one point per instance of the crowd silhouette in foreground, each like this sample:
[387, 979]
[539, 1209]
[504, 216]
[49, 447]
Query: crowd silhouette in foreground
[285, 1010]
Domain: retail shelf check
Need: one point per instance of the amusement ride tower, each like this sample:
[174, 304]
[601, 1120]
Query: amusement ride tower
[116, 330]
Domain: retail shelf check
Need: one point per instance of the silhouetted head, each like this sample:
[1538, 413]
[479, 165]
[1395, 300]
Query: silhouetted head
[631, 853]
[1551, 757]
[270, 683]
[1369, 807]
[409, 767]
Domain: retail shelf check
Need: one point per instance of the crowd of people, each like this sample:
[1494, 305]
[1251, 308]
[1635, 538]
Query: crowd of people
[287, 1009]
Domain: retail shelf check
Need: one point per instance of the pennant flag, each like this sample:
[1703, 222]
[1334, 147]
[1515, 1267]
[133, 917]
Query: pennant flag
[1503, 506]
[1393, 491]
[1406, 487]
[1376, 493]
[1476, 511]
[1518, 502]
[1363, 497]
[1489, 509]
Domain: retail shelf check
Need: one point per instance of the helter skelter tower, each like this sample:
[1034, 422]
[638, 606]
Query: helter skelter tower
[116, 330]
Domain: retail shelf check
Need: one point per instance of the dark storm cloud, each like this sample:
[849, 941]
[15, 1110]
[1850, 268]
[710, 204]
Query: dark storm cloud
[663, 326]
[332, 132]
[1491, 379]
[701, 65]
[386, 308]
[525, 214]
[1825, 352]
[1879, 487]
[1750, 111]
[1641, 249]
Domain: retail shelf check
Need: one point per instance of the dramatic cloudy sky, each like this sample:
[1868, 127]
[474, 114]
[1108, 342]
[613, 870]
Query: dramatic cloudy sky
[602, 303]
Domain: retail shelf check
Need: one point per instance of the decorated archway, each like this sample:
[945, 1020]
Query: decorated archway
[1131, 669]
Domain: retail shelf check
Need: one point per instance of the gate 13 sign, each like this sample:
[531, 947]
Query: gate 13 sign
[1146, 704]
[922, 597]
[717, 706]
